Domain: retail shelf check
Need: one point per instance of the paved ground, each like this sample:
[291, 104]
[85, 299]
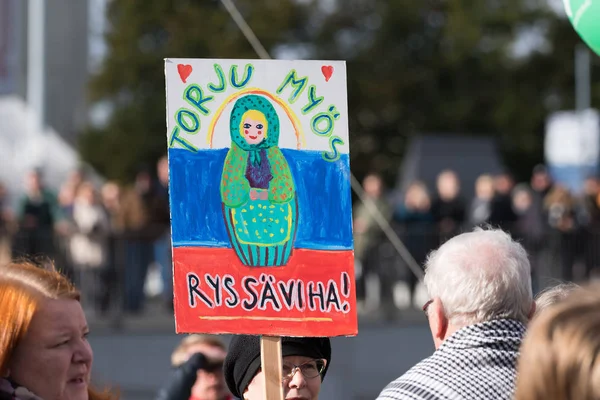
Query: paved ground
[132, 353]
[138, 363]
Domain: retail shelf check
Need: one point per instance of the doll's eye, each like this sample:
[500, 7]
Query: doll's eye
[259, 126]
[247, 126]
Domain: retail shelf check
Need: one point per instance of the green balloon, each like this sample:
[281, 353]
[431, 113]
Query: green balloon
[585, 18]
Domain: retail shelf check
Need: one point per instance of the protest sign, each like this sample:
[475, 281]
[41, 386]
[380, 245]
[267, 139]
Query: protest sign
[260, 197]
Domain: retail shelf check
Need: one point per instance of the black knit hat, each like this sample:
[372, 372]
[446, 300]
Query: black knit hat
[243, 357]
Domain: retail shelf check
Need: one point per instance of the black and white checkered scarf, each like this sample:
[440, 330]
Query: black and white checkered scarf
[476, 362]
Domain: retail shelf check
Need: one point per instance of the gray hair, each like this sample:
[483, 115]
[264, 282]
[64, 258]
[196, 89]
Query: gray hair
[553, 295]
[480, 276]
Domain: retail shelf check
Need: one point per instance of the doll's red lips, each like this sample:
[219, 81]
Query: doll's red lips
[252, 137]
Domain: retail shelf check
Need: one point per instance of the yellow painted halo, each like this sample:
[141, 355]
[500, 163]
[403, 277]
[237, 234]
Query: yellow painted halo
[300, 140]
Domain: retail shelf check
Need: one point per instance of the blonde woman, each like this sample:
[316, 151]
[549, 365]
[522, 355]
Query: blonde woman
[553, 295]
[560, 356]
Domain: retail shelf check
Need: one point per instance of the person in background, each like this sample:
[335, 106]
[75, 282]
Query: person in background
[162, 246]
[416, 223]
[305, 363]
[66, 199]
[563, 211]
[68, 192]
[110, 194]
[560, 357]
[553, 295]
[528, 227]
[198, 370]
[481, 205]
[502, 214]
[590, 235]
[367, 232]
[44, 350]
[39, 215]
[142, 218]
[541, 184]
[448, 208]
[89, 244]
[480, 302]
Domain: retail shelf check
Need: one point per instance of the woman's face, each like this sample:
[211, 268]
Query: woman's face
[54, 358]
[253, 130]
[298, 387]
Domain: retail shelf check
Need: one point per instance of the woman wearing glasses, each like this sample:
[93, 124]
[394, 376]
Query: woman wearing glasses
[305, 362]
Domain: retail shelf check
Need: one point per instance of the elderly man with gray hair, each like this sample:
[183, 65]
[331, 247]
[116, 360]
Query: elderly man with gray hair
[479, 287]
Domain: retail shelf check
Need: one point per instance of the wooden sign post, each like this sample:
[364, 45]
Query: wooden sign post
[271, 363]
[261, 210]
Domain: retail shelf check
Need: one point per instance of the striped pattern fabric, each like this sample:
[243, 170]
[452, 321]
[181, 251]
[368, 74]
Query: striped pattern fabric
[477, 362]
[272, 248]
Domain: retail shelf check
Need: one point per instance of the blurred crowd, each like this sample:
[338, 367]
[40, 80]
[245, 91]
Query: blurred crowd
[480, 305]
[559, 229]
[103, 235]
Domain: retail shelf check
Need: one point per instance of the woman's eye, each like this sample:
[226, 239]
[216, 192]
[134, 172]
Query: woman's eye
[259, 126]
[247, 126]
[86, 335]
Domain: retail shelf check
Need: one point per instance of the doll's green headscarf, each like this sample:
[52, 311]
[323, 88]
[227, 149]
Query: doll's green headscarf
[259, 103]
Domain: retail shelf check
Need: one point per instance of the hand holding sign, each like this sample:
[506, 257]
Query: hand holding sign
[585, 18]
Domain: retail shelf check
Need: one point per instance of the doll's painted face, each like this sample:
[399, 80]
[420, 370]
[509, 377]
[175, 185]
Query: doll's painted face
[254, 127]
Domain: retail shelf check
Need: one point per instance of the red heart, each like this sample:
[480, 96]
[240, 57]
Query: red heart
[327, 71]
[184, 71]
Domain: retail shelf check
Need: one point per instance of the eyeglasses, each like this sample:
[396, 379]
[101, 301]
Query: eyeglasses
[426, 306]
[310, 369]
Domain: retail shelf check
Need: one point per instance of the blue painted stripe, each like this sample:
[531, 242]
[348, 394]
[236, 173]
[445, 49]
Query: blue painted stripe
[323, 194]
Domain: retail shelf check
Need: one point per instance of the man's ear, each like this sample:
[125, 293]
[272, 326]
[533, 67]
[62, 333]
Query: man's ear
[438, 323]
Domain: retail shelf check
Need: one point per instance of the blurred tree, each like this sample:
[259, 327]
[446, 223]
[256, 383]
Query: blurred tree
[481, 67]
[132, 81]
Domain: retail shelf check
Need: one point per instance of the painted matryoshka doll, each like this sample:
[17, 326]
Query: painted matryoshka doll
[260, 205]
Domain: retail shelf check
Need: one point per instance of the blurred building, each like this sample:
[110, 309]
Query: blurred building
[72, 48]
[429, 154]
[71, 42]
[12, 75]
